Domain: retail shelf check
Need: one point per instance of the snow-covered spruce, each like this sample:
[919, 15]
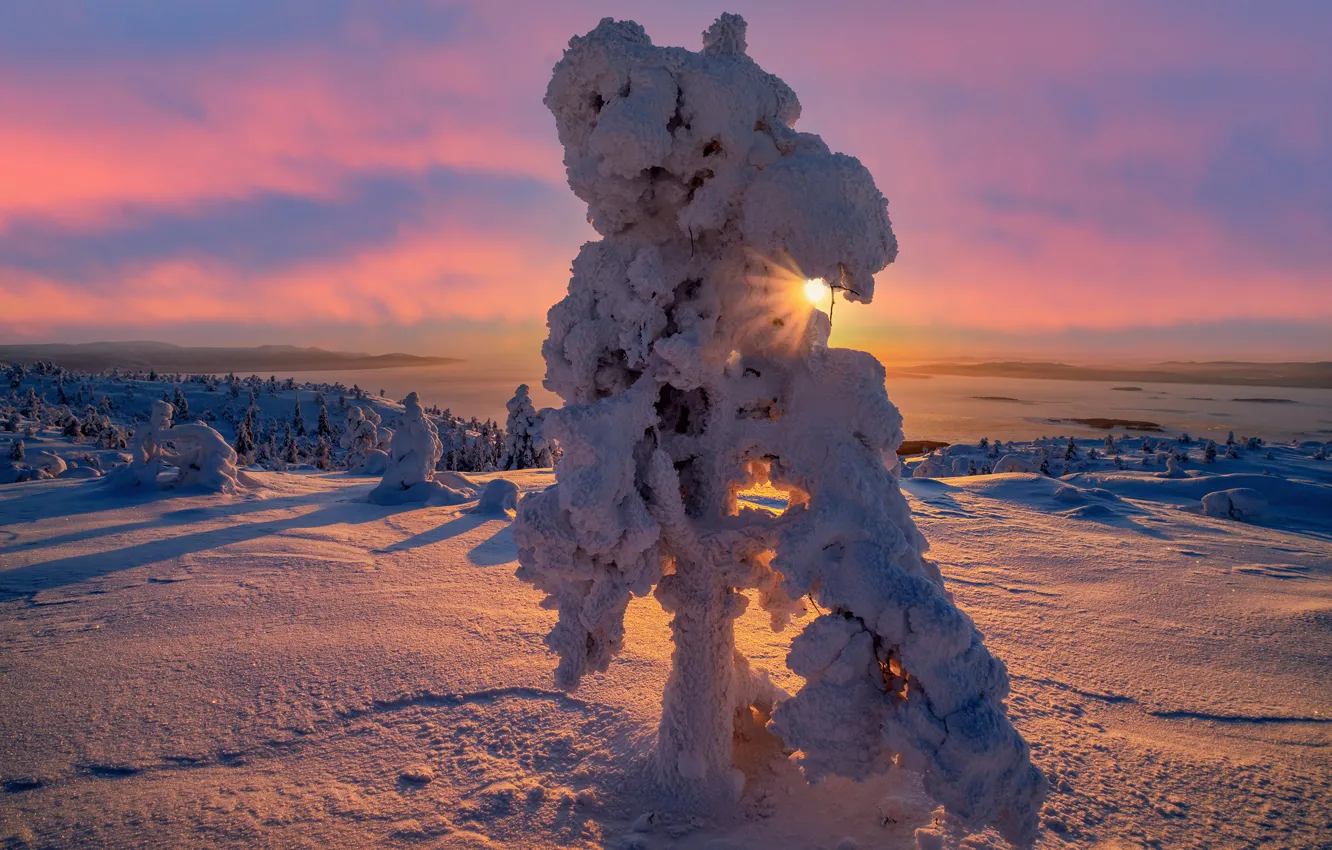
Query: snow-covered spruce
[692, 367]
[413, 452]
[523, 446]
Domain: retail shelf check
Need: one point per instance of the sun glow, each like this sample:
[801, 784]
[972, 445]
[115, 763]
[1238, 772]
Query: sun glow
[816, 289]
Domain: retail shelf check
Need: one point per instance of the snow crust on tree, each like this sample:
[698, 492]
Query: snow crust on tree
[692, 367]
[414, 450]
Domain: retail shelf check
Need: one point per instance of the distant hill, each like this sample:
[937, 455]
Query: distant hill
[164, 357]
[1225, 373]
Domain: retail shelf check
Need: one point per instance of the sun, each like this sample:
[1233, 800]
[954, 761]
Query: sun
[816, 289]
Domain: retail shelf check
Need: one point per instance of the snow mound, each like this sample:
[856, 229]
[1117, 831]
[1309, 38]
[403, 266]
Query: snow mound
[500, 498]
[80, 472]
[1238, 503]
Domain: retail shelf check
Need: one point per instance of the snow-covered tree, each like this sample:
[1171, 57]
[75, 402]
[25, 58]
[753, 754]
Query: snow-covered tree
[692, 367]
[1071, 450]
[322, 428]
[16, 450]
[1209, 452]
[181, 405]
[413, 454]
[523, 445]
[298, 419]
[323, 456]
[1230, 438]
[1110, 446]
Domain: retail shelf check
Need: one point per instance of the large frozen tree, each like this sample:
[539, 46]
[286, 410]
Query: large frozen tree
[692, 367]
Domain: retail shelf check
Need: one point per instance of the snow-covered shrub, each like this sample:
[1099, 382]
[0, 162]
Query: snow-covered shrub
[932, 466]
[412, 456]
[16, 450]
[204, 460]
[1209, 452]
[47, 464]
[692, 367]
[360, 439]
[1174, 469]
[1012, 463]
[1238, 503]
[146, 452]
[499, 498]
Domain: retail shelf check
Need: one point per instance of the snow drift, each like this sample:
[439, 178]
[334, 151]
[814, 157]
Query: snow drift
[692, 367]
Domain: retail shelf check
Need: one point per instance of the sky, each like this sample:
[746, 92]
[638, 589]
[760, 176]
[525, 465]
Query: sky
[1080, 181]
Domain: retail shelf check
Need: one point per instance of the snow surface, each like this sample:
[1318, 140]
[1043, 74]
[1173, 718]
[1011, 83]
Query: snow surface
[293, 667]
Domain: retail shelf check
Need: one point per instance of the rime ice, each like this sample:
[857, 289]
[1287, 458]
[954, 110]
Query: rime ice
[692, 367]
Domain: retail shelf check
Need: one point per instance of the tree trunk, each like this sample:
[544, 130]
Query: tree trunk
[694, 741]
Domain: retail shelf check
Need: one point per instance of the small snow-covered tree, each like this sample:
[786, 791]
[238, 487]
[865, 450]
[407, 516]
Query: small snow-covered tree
[522, 442]
[1071, 450]
[413, 453]
[1110, 447]
[322, 453]
[181, 405]
[298, 419]
[1209, 452]
[1230, 438]
[322, 428]
[692, 367]
[16, 450]
[245, 435]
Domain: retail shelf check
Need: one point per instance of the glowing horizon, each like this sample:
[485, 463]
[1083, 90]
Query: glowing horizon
[1126, 181]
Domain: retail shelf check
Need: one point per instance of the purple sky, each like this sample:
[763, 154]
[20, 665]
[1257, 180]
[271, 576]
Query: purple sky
[1082, 180]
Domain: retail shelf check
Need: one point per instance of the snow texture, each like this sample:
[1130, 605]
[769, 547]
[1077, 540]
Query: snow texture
[693, 368]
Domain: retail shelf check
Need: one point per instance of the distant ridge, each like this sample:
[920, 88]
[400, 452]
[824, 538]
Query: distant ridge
[1223, 373]
[165, 357]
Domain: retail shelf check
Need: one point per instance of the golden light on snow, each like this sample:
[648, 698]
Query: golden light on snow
[816, 289]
